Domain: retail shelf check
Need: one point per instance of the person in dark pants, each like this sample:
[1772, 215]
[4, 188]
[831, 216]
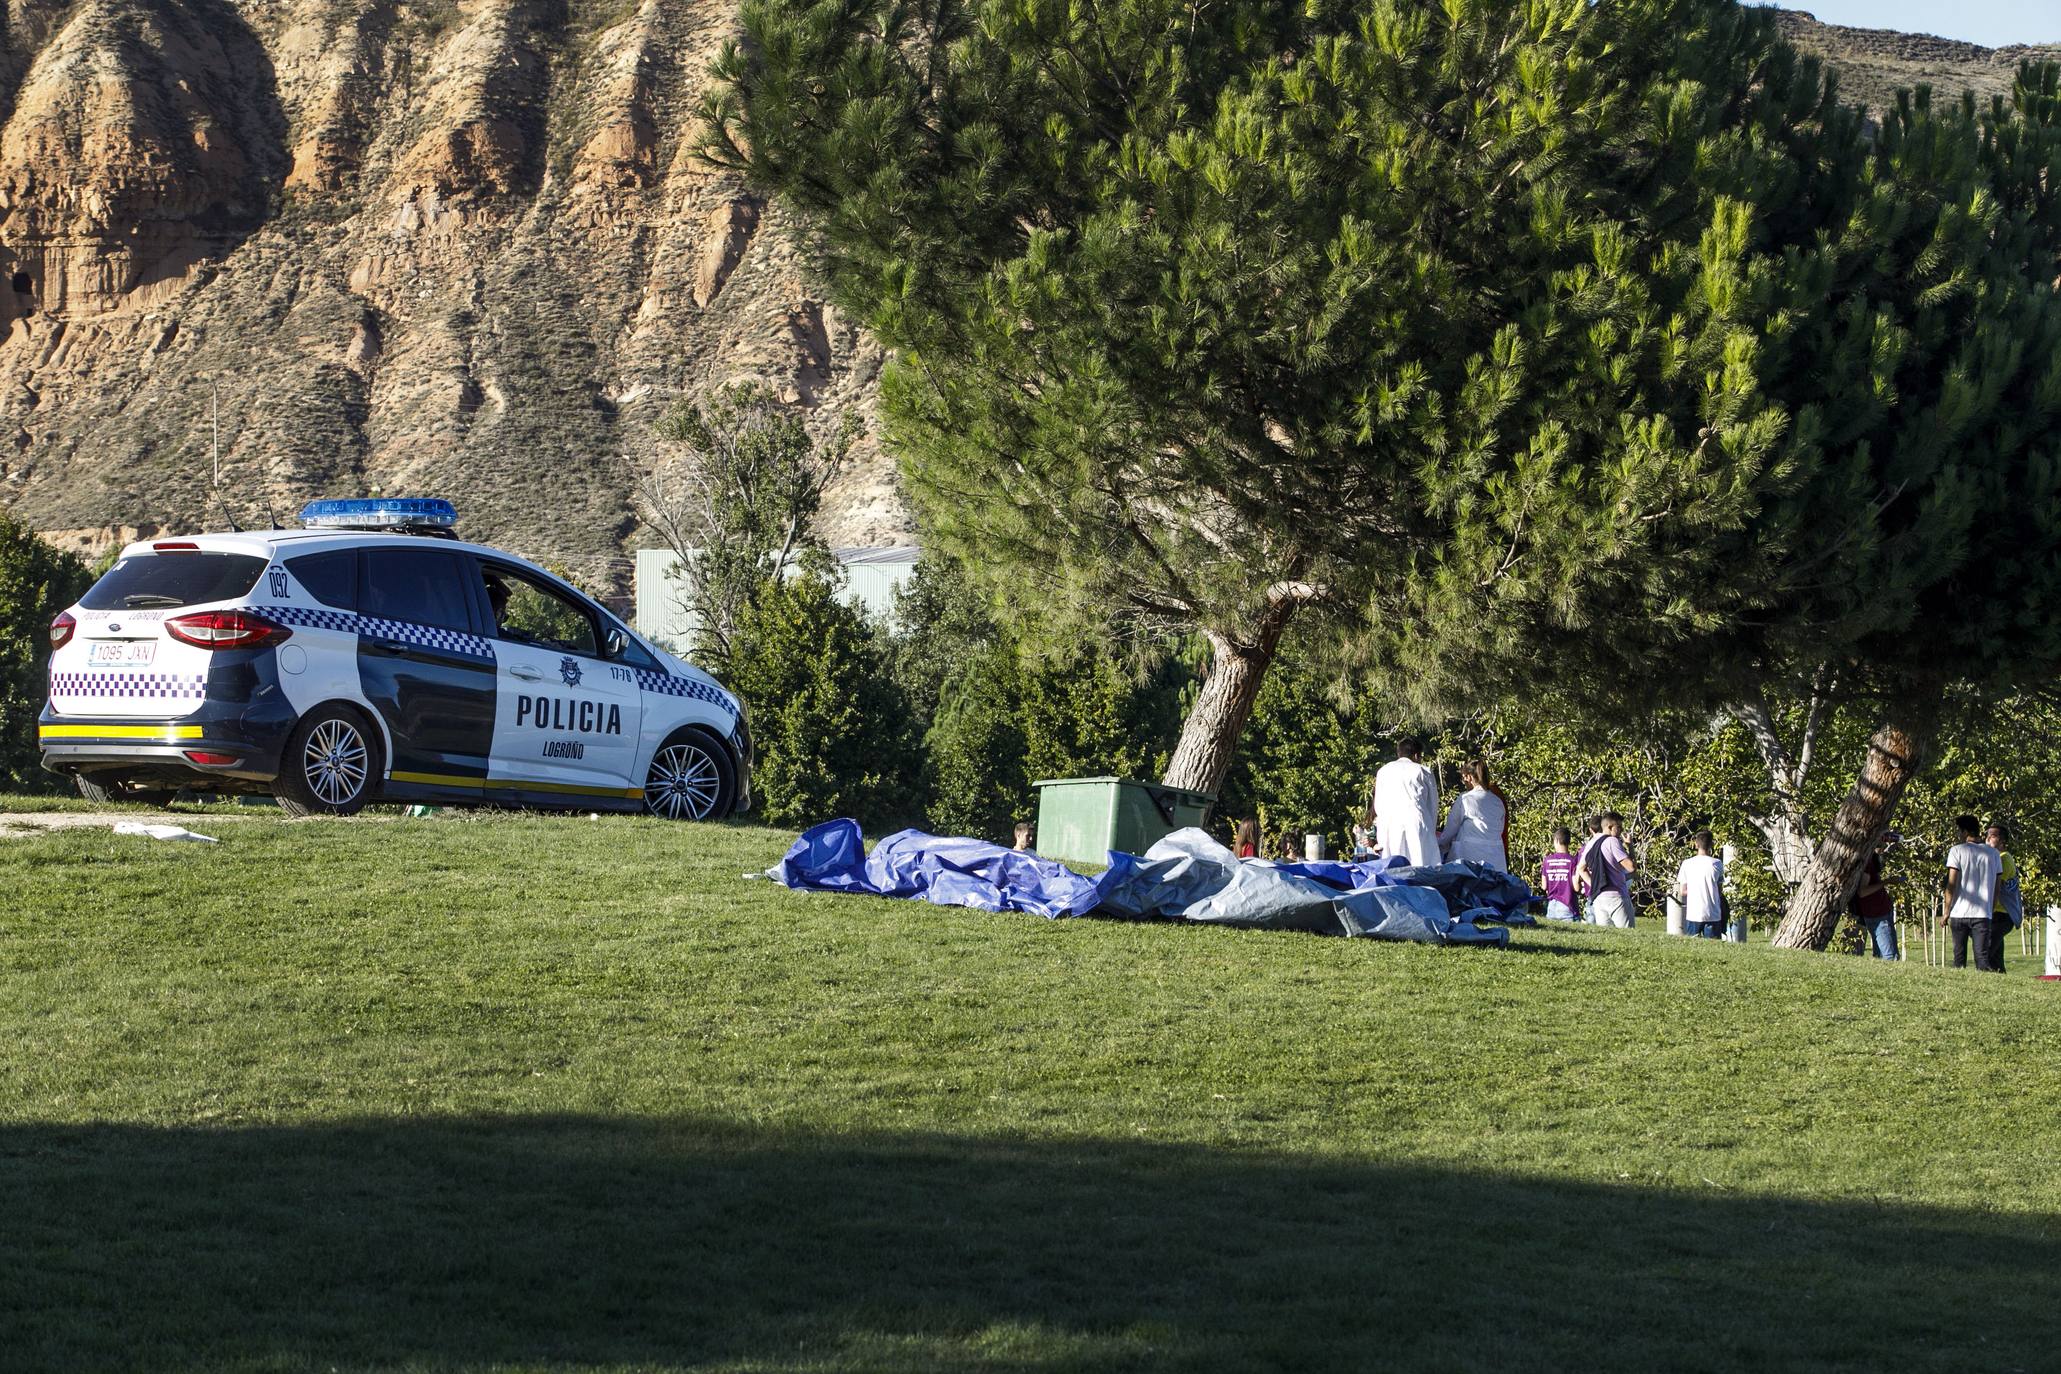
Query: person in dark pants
[2008, 908]
[1873, 906]
[1701, 886]
[1971, 893]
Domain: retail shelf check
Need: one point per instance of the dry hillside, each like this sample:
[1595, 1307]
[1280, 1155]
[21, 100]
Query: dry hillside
[450, 247]
[1874, 63]
[400, 245]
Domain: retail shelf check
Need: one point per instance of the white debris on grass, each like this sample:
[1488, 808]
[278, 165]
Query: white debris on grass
[161, 832]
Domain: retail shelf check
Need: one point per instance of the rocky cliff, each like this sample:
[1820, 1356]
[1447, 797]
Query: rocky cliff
[410, 246]
[453, 247]
[1874, 64]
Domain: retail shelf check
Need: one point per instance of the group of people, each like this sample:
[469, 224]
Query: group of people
[1594, 883]
[1982, 900]
[1402, 818]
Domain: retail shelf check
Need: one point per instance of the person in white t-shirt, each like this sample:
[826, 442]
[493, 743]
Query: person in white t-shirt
[1700, 883]
[1971, 892]
[1477, 825]
[1406, 807]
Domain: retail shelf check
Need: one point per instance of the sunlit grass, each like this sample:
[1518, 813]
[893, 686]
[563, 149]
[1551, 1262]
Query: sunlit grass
[550, 1092]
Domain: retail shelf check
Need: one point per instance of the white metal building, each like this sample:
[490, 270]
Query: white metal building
[871, 577]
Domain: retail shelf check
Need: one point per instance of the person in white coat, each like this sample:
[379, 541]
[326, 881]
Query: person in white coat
[1406, 807]
[1476, 826]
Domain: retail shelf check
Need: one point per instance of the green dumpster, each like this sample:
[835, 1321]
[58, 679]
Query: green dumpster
[1081, 819]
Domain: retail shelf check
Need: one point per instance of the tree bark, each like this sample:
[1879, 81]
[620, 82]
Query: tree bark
[1238, 666]
[1895, 753]
[1786, 828]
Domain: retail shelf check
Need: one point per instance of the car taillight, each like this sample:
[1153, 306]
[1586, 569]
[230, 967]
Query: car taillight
[62, 629]
[225, 630]
[210, 758]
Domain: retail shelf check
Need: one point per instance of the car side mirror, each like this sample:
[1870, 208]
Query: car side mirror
[614, 643]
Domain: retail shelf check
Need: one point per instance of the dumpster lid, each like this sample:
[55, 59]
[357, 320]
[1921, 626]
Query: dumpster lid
[1129, 782]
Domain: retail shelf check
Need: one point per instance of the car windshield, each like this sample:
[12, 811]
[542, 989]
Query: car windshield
[173, 579]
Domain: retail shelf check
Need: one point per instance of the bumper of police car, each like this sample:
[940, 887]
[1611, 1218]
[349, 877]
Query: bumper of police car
[233, 743]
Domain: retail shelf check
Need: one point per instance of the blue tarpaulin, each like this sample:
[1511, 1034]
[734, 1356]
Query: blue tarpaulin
[1187, 876]
[1468, 886]
[1190, 877]
[946, 870]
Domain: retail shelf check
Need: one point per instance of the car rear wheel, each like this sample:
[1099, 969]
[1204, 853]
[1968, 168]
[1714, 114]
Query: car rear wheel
[331, 764]
[690, 778]
[102, 792]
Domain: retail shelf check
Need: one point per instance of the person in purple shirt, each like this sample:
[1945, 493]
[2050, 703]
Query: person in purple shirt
[1556, 879]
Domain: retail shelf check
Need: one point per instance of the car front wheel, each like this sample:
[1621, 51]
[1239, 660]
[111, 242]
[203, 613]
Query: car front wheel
[690, 778]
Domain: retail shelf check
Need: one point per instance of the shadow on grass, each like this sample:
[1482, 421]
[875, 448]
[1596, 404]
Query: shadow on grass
[1520, 945]
[561, 1242]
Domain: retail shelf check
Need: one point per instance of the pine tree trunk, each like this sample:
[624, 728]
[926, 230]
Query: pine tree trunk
[1895, 753]
[1209, 737]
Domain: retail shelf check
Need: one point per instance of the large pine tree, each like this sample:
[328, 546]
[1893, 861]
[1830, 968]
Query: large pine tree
[1230, 314]
[1906, 324]
[1928, 376]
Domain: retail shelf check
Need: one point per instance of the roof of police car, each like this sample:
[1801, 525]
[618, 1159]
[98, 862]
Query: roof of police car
[267, 539]
[264, 541]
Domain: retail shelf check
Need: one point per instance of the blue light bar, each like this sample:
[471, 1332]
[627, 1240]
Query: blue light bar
[380, 513]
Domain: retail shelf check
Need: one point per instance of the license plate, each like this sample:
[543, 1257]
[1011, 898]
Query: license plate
[121, 653]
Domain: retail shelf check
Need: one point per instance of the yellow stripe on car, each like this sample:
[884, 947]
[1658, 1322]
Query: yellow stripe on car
[436, 779]
[577, 789]
[561, 788]
[160, 732]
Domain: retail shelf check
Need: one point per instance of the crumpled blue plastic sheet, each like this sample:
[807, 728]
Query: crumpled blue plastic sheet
[1190, 877]
[944, 870]
[1339, 873]
[1187, 876]
[1470, 887]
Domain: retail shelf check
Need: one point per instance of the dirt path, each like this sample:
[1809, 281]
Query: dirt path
[16, 824]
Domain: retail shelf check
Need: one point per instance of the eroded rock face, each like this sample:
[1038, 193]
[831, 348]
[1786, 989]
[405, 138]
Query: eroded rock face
[449, 247]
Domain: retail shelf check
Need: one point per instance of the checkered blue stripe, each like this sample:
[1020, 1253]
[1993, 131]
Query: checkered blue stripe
[159, 686]
[408, 632]
[665, 684]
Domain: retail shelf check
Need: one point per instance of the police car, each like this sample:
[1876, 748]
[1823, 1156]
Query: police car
[373, 656]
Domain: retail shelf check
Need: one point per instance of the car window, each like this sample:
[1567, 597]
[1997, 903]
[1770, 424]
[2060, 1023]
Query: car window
[331, 578]
[426, 586]
[173, 579]
[527, 611]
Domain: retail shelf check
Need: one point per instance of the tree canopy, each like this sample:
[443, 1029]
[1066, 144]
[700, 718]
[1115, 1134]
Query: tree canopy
[733, 493]
[1905, 324]
[1211, 314]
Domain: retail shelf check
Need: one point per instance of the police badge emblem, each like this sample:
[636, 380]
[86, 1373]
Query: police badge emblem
[569, 669]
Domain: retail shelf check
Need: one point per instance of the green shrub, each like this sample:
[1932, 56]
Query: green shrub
[36, 582]
[1000, 708]
[831, 727]
[977, 782]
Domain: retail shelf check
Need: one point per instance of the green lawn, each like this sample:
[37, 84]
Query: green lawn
[499, 1092]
